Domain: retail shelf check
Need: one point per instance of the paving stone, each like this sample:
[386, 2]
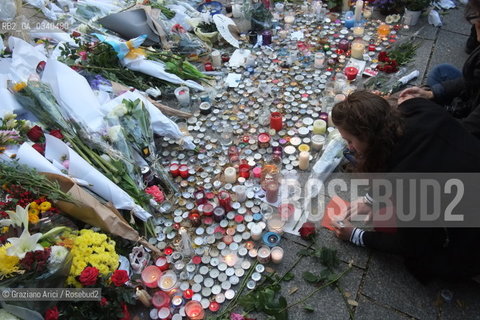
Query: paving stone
[425, 31]
[421, 61]
[368, 310]
[451, 21]
[464, 303]
[449, 48]
[389, 283]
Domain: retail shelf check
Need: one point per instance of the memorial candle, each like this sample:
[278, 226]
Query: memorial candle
[168, 281]
[319, 60]
[160, 299]
[244, 170]
[358, 10]
[183, 96]
[276, 224]
[150, 276]
[271, 190]
[230, 175]
[317, 142]
[256, 232]
[383, 30]
[276, 254]
[194, 310]
[358, 31]
[263, 254]
[351, 73]
[276, 121]
[183, 170]
[174, 170]
[225, 200]
[241, 192]
[162, 263]
[304, 160]
[216, 59]
[319, 127]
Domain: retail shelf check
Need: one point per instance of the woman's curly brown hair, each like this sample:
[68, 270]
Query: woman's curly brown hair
[371, 119]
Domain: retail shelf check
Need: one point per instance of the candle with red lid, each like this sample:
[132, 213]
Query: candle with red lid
[225, 200]
[200, 197]
[207, 209]
[174, 169]
[194, 310]
[151, 275]
[188, 294]
[276, 121]
[183, 170]
[194, 217]
[208, 66]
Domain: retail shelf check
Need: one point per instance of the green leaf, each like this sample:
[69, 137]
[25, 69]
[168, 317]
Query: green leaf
[305, 252]
[308, 308]
[328, 257]
[310, 277]
[289, 276]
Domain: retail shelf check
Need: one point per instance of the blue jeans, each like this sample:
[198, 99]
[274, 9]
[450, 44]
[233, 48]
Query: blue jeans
[440, 73]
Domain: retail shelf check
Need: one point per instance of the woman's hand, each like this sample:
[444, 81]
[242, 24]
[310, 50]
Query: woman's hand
[357, 207]
[343, 229]
[414, 92]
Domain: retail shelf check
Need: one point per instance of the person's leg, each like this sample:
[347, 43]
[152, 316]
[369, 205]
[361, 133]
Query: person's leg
[439, 74]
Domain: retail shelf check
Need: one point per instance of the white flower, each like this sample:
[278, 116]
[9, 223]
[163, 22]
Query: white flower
[26, 243]
[9, 116]
[11, 123]
[119, 110]
[83, 28]
[389, 19]
[17, 218]
[396, 17]
[57, 255]
[113, 132]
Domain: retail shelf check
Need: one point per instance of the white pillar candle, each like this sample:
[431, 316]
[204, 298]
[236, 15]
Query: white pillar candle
[330, 121]
[318, 142]
[256, 232]
[183, 96]
[230, 175]
[358, 49]
[216, 59]
[276, 254]
[241, 192]
[319, 126]
[358, 10]
[304, 160]
[319, 59]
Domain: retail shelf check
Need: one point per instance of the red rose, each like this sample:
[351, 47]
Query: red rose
[382, 56]
[307, 231]
[56, 133]
[389, 69]
[89, 276]
[40, 147]
[103, 302]
[76, 34]
[126, 314]
[52, 314]
[119, 277]
[35, 134]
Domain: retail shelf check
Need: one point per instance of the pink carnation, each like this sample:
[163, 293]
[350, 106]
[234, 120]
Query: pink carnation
[156, 193]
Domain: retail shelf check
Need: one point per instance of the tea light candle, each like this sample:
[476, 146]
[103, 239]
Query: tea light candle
[276, 225]
[276, 254]
[216, 59]
[351, 73]
[194, 310]
[304, 160]
[289, 17]
[183, 96]
[317, 142]
[241, 192]
[231, 259]
[168, 281]
[319, 127]
[264, 140]
[230, 175]
[174, 170]
[319, 60]
[164, 313]
[276, 121]
[150, 276]
[177, 301]
[358, 49]
[358, 10]
[218, 214]
[263, 254]
[188, 294]
[257, 172]
[160, 299]
[271, 190]
[383, 30]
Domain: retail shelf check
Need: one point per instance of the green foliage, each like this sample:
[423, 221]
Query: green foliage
[267, 300]
[403, 52]
[416, 5]
[288, 276]
[328, 258]
[169, 14]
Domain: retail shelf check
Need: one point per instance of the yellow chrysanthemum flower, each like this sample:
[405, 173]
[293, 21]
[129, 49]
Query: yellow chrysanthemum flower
[8, 264]
[33, 205]
[33, 218]
[19, 86]
[45, 206]
[33, 211]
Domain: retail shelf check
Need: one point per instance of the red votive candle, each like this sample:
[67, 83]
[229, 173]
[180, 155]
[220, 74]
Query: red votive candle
[233, 154]
[207, 209]
[183, 171]
[174, 169]
[194, 218]
[264, 140]
[208, 66]
[225, 200]
[276, 121]
[351, 73]
[188, 294]
[257, 172]
[162, 263]
[160, 299]
[200, 197]
[244, 170]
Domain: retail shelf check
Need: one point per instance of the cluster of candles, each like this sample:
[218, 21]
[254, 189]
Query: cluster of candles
[181, 170]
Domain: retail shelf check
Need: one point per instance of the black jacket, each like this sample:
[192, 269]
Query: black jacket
[433, 141]
[462, 95]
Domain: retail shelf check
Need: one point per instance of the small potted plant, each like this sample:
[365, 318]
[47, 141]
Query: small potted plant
[389, 7]
[413, 10]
